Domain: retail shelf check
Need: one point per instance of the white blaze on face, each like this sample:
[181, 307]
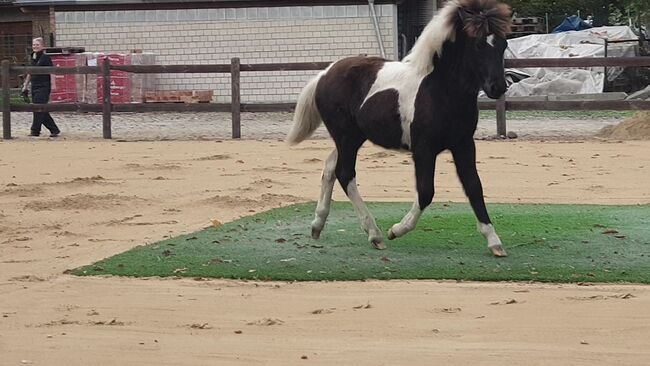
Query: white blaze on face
[490, 40]
[403, 78]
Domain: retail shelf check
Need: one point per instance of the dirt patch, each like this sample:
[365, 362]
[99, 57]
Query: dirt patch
[214, 157]
[319, 317]
[635, 128]
[22, 191]
[83, 202]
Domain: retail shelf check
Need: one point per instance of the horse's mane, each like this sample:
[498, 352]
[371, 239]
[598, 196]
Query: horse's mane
[479, 19]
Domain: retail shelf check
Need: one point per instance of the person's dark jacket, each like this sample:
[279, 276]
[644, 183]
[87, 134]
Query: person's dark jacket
[41, 81]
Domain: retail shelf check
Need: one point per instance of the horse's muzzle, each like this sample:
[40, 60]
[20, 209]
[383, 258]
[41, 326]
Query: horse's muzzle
[495, 90]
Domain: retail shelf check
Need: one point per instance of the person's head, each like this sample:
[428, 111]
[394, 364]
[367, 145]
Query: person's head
[37, 44]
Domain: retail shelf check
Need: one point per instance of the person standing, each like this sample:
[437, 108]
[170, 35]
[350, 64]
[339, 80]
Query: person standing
[41, 88]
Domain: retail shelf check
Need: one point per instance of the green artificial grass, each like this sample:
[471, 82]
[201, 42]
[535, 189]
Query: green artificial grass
[551, 243]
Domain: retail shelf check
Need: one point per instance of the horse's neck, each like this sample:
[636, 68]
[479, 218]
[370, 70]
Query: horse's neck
[456, 70]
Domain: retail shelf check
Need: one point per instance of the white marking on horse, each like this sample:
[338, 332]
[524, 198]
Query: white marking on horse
[489, 233]
[327, 184]
[409, 221]
[434, 35]
[490, 40]
[406, 81]
[406, 76]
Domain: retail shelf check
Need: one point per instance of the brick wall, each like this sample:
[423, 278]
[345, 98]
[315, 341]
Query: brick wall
[255, 35]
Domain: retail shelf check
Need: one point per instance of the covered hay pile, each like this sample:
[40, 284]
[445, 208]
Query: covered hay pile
[635, 128]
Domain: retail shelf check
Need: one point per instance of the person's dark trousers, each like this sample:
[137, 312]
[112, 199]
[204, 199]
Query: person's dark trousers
[41, 95]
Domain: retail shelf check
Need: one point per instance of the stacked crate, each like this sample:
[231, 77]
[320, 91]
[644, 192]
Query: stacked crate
[527, 25]
[120, 81]
[67, 88]
[125, 87]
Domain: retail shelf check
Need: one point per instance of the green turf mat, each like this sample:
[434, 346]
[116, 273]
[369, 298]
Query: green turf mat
[556, 243]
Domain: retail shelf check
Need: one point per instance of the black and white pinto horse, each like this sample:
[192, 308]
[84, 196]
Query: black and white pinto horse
[427, 103]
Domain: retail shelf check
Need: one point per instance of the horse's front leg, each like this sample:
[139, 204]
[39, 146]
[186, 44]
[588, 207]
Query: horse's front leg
[465, 161]
[425, 165]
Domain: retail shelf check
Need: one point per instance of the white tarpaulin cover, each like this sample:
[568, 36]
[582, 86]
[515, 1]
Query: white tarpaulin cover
[584, 43]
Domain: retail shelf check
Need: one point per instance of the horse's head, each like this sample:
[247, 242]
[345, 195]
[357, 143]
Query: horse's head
[486, 23]
[490, 53]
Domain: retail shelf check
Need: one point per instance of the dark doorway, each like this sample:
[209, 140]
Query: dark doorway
[15, 45]
[412, 17]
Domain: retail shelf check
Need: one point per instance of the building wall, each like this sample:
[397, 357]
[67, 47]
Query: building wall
[40, 21]
[255, 35]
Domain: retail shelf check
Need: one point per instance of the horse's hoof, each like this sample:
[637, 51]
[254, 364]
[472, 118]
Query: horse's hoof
[391, 236]
[378, 244]
[315, 234]
[498, 251]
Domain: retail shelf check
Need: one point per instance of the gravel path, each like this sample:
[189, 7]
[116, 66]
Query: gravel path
[194, 126]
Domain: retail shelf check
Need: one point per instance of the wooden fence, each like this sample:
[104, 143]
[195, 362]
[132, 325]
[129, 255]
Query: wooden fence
[235, 107]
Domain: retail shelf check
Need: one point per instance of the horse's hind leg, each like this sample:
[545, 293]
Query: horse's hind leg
[346, 174]
[325, 198]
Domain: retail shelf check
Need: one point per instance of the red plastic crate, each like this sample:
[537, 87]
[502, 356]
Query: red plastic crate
[63, 97]
[120, 89]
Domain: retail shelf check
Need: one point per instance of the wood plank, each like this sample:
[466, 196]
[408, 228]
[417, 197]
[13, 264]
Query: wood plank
[578, 62]
[172, 69]
[57, 107]
[590, 105]
[6, 100]
[106, 105]
[235, 98]
[42, 70]
[285, 66]
[172, 107]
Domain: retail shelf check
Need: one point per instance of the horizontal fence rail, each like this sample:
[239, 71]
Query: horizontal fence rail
[236, 107]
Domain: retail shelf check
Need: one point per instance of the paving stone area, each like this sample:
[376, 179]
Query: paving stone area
[210, 126]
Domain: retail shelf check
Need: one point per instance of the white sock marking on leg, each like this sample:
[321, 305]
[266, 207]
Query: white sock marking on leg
[409, 221]
[489, 233]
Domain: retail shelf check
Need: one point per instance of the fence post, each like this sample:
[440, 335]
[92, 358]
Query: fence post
[501, 116]
[6, 100]
[235, 104]
[106, 100]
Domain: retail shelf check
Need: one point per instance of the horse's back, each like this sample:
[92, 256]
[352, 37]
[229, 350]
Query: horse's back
[347, 82]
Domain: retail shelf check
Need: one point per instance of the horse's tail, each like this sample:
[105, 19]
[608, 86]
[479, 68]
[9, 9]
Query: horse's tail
[306, 118]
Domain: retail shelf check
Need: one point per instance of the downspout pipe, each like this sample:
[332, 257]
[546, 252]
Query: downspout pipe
[373, 15]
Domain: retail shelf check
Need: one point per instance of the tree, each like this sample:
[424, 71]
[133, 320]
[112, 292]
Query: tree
[558, 10]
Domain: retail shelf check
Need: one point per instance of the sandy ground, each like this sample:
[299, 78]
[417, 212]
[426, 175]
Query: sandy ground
[67, 203]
